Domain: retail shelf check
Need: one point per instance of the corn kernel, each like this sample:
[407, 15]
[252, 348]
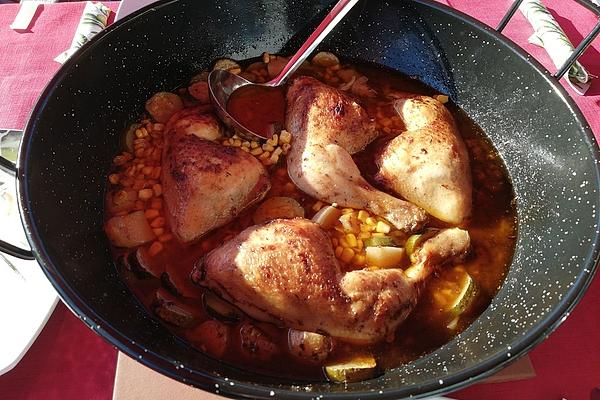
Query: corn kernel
[113, 178]
[317, 206]
[351, 239]
[246, 144]
[441, 98]
[363, 215]
[157, 189]
[158, 231]
[156, 204]
[347, 255]
[367, 228]
[139, 134]
[268, 147]
[158, 222]
[155, 248]
[145, 194]
[371, 221]
[274, 158]
[347, 211]
[364, 235]
[274, 140]
[138, 184]
[127, 182]
[285, 137]
[338, 251]
[165, 237]
[344, 242]
[237, 143]
[151, 213]
[382, 227]
[264, 156]
[378, 234]
[254, 145]
[155, 173]
[277, 152]
[360, 244]
[359, 260]
[256, 151]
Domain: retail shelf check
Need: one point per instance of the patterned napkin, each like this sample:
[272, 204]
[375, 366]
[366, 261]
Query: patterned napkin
[549, 35]
[94, 19]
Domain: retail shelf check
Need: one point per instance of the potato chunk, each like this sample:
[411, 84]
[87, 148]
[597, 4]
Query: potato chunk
[211, 337]
[308, 345]
[163, 105]
[129, 230]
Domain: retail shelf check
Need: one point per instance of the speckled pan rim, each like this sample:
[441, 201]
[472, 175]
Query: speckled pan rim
[207, 381]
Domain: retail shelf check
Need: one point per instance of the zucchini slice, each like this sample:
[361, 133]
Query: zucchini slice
[357, 369]
[467, 292]
[380, 241]
[220, 309]
[171, 310]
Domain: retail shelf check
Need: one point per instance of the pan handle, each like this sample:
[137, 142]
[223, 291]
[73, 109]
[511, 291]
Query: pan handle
[585, 43]
[10, 249]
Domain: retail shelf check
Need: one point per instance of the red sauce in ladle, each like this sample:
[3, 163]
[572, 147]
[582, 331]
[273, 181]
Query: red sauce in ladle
[260, 109]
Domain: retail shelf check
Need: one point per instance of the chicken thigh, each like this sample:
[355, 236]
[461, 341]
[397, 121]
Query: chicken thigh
[285, 272]
[327, 127]
[428, 164]
[206, 184]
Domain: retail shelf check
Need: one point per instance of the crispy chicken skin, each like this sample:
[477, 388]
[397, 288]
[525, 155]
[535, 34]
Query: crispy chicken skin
[285, 272]
[327, 127]
[206, 184]
[428, 164]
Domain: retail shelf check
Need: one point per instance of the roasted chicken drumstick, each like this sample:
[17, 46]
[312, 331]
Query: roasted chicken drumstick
[285, 272]
[327, 127]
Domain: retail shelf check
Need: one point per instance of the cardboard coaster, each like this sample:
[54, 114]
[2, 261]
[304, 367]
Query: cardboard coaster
[135, 381]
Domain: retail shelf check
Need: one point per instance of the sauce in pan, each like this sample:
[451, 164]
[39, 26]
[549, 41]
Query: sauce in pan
[162, 281]
[259, 109]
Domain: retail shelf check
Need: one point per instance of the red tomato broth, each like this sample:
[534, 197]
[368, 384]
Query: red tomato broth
[259, 109]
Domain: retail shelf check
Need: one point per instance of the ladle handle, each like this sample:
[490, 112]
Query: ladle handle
[331, 20]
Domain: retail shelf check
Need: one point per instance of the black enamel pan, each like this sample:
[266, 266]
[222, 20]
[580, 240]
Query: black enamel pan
[548, 148]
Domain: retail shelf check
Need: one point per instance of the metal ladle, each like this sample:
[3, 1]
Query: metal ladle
[222, 83]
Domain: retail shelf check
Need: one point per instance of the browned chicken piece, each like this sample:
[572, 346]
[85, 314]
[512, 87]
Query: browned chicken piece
[206, 184]
[285, 272]
[428, 164]
[327, 127]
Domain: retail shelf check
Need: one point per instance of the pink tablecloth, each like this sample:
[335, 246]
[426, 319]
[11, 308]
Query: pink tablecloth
[69, 362]
[28, 56]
